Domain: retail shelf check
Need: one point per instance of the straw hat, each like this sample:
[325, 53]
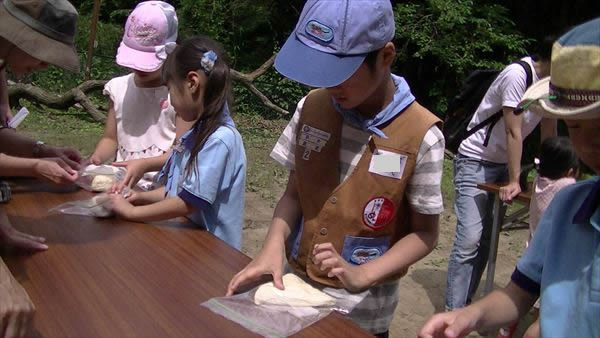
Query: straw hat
[44, 29]
[572, 91]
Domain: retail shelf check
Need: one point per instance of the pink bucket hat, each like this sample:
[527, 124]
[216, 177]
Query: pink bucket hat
[150, 34]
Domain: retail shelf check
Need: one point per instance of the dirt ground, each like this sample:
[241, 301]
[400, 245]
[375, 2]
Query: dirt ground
[422, 290]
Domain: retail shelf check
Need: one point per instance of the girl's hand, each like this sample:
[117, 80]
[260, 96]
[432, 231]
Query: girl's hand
[54, 170]
[268, 261]
[94, 159]
[135, 171]
[120, 206]
[327, 259]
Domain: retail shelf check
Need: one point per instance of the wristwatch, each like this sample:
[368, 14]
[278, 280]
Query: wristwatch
[37, 148]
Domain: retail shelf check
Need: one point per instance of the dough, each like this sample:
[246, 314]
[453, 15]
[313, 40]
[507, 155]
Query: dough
[102, 182]
[297, 293]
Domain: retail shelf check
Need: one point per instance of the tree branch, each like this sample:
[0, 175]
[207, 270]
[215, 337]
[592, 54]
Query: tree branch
[78, 94]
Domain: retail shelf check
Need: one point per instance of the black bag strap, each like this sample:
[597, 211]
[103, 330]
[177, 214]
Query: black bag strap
[494, 118]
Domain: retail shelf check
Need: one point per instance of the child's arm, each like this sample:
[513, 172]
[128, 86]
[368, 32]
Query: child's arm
[499, 308]
[107, 146]
[400, 256]
[16, 309]
[147, 197]
[165, 208]
[137, 168]
[271, 257]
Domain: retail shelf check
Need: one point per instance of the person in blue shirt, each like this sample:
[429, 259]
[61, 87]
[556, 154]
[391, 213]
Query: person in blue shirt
[562, 264]
[205, 175]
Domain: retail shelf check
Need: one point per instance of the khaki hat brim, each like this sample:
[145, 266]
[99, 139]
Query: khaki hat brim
[37, 44]
[536, 97]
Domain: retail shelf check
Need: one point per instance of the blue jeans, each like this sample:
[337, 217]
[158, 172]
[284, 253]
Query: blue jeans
[473, 209]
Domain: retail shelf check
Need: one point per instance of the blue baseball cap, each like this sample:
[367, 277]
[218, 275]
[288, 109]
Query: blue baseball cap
[332, 39]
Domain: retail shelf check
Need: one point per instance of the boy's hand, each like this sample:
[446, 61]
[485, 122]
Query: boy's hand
[327, 259]
[268, 261]
[450, 324]
[54, 170]
[135, 171]
[120, 206]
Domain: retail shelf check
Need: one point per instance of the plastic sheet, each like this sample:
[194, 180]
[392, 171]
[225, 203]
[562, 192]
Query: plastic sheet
[276, 320]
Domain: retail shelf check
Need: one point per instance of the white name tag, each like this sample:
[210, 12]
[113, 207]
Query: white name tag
[387, 163]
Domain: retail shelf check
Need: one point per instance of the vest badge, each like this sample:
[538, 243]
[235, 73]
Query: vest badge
[378, 212]
[312, 139]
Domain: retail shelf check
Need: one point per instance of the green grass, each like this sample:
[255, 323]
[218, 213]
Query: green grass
[73, 127]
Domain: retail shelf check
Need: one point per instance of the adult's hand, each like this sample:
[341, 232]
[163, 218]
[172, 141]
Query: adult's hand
[5, 114]
[510, 191]
[55, 170]
[70, 156]
[16, 309]
[9, 236]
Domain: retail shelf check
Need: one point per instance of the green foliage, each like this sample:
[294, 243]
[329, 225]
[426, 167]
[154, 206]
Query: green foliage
[280, 90]
[452, 38]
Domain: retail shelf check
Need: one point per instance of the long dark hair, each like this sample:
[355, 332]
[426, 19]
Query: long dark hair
[557, 156]
[186, 58]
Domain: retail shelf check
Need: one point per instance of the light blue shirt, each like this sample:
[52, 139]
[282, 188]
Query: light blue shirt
[563, 263]
[214, 185]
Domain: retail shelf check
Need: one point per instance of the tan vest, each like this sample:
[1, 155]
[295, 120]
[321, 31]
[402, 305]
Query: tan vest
[366, 204]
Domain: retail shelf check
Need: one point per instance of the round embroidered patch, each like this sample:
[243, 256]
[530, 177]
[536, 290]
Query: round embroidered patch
[378, 212]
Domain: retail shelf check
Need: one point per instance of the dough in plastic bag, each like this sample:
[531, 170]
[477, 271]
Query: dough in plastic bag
[297, 293]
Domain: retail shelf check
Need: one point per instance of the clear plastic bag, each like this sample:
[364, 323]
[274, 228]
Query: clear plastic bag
[94, 207]
[99, 178]
[276, 320]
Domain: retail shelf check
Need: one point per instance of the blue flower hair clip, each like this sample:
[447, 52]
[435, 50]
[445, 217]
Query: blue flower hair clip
[208, 61]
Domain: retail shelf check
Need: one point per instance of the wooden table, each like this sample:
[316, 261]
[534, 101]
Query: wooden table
[112, 278]
[498, 220]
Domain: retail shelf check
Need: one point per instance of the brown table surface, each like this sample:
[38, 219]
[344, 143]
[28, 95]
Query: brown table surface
[112, 278]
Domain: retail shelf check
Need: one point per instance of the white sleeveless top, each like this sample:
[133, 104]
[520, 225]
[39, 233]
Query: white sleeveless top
[145, 118]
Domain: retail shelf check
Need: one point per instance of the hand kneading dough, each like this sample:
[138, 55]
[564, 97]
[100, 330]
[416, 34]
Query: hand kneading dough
[297, 293]
[102, 182]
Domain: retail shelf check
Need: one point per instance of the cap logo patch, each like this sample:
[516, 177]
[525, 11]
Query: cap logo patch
[319, 31]
[378, 212]
[362, 255]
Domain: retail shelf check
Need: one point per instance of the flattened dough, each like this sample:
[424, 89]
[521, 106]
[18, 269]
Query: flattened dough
[297, 293]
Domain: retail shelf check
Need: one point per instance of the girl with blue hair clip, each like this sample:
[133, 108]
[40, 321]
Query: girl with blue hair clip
[205, 175]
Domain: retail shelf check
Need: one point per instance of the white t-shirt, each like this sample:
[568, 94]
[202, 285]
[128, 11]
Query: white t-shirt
[145, 118]
[506, 91]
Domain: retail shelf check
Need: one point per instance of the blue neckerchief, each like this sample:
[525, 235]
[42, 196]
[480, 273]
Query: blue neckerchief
[402, 99]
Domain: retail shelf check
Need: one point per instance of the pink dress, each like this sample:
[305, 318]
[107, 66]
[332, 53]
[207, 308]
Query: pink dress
[544, 190]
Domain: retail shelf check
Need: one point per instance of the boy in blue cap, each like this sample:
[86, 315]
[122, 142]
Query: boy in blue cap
[562, 264]
[363, 196]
